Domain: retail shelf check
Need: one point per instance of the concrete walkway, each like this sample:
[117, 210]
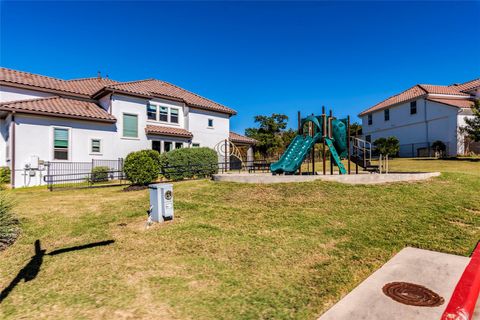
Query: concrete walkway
[373, 178]
[439, 272]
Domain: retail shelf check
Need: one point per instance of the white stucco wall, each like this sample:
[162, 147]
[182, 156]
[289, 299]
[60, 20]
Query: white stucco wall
[433, 121]
[14, 94]
[204, 135]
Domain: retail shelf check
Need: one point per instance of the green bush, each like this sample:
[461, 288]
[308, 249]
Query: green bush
[4, 175]
[8, 224]
[142, 167]
[188, 163]
[99, 174]
[387, 146]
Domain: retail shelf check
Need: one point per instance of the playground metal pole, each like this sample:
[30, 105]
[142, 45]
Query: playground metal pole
[324, 129]
[299, 132]
[348, 143]
[330, 134]
[313, 149]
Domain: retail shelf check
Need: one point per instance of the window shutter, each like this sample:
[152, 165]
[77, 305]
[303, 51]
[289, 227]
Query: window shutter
[130, 126]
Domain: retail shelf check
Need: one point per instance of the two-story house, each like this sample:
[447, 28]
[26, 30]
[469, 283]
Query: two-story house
[49, 119]
[422, 115]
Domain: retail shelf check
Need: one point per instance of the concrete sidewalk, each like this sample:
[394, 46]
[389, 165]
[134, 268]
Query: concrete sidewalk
[439, 272]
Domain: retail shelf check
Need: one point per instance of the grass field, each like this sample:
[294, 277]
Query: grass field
[234, 251]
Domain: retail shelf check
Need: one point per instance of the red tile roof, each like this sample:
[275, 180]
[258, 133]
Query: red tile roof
[415, 92]
[153, 88]
[60, 107]
[238, 138]
[459, 103]
[467, 86]
[167, 131]
[91, 85]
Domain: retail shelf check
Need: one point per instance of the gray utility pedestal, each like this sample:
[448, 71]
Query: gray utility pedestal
[161, 202]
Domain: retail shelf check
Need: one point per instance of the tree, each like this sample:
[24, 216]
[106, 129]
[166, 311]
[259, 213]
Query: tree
[355, 129]
[472, 129]
[271, 133]
[387, 146]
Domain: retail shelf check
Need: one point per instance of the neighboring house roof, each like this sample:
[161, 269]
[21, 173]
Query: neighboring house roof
[238, 138]
[418, 91]
[60, 107]
[459, 103]
[157, 88]
[467, 86]
[168, 131]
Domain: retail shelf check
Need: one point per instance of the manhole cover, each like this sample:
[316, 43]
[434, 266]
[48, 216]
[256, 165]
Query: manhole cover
[412, 294]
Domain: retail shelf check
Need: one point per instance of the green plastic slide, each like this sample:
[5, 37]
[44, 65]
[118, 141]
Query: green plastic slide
[297, 151]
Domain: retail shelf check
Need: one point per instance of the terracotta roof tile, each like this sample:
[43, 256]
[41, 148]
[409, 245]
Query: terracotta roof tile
[466, 86]
[91, 85]
[167, 131]
[153, 87]
[60, 107]
[434, 89]
[459, 103]
[238, 138]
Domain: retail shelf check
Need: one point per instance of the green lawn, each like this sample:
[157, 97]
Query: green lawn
[234, 251]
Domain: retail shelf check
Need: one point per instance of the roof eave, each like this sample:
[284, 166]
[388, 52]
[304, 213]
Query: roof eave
[41, 89]
[56, 115]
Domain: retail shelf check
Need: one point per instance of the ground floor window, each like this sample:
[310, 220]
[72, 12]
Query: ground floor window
[60, 144]
[368, 138]
[178, 145]
[157, 146]
[96, 146]
[167, 146]
[195, 145]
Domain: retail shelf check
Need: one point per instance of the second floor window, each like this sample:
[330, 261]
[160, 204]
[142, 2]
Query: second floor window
[130, 125]
[164, 114]
[60, 144]
[386, 114]
[369, 119]
[413, 107]
[174, 115]
[151, 112]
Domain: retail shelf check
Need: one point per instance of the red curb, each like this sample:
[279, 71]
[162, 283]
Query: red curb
[464, 297]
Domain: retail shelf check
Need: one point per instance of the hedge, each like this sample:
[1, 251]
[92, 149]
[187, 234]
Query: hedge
[9, 225]
[99, 174]
[142, 167]
[4, 175]
[189, 163]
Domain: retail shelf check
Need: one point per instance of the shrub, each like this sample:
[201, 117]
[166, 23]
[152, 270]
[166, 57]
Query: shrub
[387, 146]
[142, 167]
[99, 174]
[4, 175]
[8, 224]
[188, 163]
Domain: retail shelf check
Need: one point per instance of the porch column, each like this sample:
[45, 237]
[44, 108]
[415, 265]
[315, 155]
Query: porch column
[250, 155]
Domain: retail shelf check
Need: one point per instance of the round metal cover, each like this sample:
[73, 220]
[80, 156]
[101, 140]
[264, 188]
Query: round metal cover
[412, 294]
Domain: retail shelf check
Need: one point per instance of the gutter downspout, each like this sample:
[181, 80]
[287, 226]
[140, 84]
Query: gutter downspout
[13, 150]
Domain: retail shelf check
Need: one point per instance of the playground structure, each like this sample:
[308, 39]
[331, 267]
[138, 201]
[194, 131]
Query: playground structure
[332, 133]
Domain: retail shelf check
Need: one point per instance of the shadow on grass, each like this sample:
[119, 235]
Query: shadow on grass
[32, 268]
[451, 158]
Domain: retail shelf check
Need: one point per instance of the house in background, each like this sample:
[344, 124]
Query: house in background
[48, 119]
[422, 115]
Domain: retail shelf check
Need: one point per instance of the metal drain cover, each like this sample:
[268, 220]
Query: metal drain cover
[412, 294]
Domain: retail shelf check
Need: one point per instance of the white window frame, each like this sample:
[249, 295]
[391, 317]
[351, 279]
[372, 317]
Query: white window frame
[170, 116]
[52, 143]
[99, 153]
[157, 112]
[138, 125]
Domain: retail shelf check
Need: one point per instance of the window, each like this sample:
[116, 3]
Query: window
[96, 146]
[167, 146]
[195, 145]
[156, 145]
[174, 115]
[178, 145]
[413, 107]
[210, 123]
[370, 119]
[60, 144]
[151, 112]
[386, 114]
[164, 114]
[130, 125]
[368, 138]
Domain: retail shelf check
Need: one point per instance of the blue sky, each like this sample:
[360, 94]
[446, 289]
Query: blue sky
[256, 57]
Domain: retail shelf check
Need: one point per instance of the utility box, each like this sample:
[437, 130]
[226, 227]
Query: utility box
[161, 202]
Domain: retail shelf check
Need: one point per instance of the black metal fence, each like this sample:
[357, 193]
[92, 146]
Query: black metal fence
[86, 174]
[95, 173]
